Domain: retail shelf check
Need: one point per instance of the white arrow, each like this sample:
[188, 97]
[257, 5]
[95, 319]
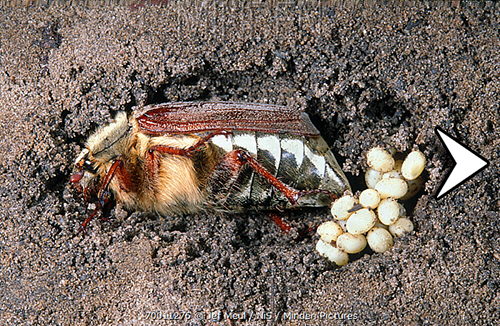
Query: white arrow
[467, 163]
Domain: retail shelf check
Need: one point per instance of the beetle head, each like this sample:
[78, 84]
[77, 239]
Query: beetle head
[83, 172]
[102, 147]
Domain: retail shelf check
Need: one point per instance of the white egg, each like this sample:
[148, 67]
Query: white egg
[329, 231]
[388, 211]
[391, 187]
[379, 239]
[413, 165]
[369, 198]
[380, 160]
[351, 243]
[361, 221]
[372, 177]
[403, 225]
[341, 206]
[333, 254]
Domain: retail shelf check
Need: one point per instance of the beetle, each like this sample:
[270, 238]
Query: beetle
[186, 157]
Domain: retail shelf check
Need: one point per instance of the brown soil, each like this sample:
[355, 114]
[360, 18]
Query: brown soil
[368, 74]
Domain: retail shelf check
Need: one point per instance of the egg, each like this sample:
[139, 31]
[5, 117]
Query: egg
[392, 187]
[329, 231]
[369, 198]
[403, 225]
[341, 206]
[351, 243]
[372, 177]
[379, 240]
[380, 160]
[413, 165]
[361, 221]
[332, 253]
[388, 211]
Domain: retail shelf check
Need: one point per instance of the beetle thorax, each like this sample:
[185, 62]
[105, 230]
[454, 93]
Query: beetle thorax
[107, 143]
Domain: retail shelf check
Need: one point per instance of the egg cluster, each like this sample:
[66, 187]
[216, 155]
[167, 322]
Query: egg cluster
[375, 216]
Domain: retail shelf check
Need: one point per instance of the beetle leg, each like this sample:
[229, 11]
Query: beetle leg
[104, 208]
[306, 232]
[102, 204]
[117, 165]
[290, 193]
[83, 227]
[187, 152]
[283, 225]
[205, 139]
[279, 222]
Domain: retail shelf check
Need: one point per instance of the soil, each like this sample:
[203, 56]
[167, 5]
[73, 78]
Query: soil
[368, 74]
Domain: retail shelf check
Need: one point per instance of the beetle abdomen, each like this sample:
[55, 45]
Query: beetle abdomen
[302, 162]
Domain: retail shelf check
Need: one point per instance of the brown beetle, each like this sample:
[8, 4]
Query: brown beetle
[186, 157]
